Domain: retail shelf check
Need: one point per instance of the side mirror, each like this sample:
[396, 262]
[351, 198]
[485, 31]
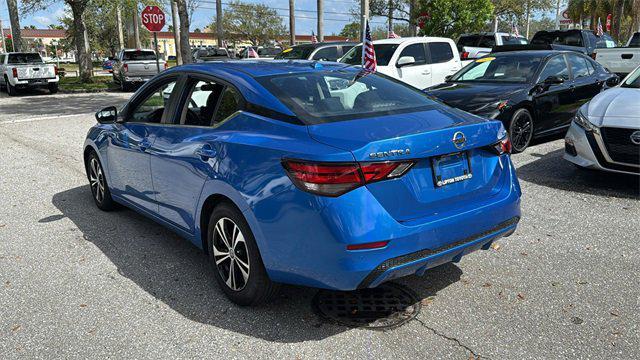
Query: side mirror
[613, 81]
[107, 115]
[448, 77]
[406, 60]
[554, 80]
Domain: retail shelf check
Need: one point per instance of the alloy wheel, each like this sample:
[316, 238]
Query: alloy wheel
[521, 131]
[96, 180]
[231, 254]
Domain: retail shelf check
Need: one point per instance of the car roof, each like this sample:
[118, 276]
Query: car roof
[327, 43]
[543, 53]
[257, 68]
[406, 39]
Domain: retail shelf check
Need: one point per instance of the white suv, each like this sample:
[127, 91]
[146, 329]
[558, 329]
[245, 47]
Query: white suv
[418, 61]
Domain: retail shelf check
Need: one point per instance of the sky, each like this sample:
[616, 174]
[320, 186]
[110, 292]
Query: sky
[337, 14]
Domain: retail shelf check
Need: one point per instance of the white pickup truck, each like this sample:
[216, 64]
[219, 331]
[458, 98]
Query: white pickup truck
[20, 70]
[135, 66]
[621, 60]
[418, 61]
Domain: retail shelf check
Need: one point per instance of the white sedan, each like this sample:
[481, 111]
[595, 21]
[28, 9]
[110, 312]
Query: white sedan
[605, 133]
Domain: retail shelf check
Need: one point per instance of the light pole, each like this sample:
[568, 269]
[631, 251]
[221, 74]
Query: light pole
[292, 23]
[364, 14]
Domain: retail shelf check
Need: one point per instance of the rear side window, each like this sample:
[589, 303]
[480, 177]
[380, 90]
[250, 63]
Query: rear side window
[440, 52]
[579, 66]
[556, 66]
[468, 40]
[327, 54]
[138, 55]
[417, 52]
[512, 40]
[229, 104]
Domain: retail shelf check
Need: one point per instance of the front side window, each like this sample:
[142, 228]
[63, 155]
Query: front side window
[384, 52]
[556, 66]
[440, 52]
[507, 69]
[579, 66]
[329, 96]
[417, 52]
[152, 108]
[326, 54]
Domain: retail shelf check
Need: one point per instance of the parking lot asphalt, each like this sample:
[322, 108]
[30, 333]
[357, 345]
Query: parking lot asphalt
[76, 282]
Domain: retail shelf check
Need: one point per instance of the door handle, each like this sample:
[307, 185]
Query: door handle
[426, 72]
[206, 152]
[144, 145]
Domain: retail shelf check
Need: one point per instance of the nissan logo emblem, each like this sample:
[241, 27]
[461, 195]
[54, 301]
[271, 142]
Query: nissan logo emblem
[459, 140]
[635, 137]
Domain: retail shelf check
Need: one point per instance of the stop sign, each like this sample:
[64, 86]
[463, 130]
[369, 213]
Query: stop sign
[153, 18]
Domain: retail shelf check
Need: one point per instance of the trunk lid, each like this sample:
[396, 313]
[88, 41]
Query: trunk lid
[143, 67]
[39, 71]
[427, 135]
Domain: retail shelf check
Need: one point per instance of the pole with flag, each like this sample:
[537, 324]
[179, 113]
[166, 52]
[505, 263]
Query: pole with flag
[393, 35]
[514, 29]
[599, 30]
[369, 63]
[314, 39]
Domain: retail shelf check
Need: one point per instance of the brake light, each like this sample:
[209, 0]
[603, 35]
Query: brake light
[335, 179]
[464, 55]
[125, 67]
[166, 65]
[503, 146]
[14, 72]
[593, 56]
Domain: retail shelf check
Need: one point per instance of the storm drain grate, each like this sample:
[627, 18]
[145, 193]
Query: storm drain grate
[387, 306]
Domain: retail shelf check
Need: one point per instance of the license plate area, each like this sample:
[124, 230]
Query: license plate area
[451, 168]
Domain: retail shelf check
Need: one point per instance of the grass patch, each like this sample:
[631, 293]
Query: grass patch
[73, 84]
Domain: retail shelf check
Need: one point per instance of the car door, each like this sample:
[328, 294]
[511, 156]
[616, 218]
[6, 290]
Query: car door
[585, 81]
[443, 61]
[417, 74]
[553, 103]
[186, 150]
[129, 144]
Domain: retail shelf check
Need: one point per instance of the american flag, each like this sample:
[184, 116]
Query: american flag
[393, 35]
[599, 30]
[314, 39]
[368, 53]
[252, 53]
[514, 29]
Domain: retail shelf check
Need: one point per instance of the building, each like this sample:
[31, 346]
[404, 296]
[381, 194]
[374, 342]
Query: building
[41, 39]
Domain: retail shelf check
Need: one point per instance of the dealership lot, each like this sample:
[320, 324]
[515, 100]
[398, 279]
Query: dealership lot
[77, 282]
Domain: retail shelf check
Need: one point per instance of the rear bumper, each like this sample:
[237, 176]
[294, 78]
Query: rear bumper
[33, 82]
[303, 238]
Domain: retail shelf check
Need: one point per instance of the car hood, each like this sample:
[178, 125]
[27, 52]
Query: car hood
[615, 107]
[472, 97]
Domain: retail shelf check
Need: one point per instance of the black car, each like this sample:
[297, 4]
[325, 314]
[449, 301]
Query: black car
[210, 54]
[534, 93]
[584, 41]
[325, 51]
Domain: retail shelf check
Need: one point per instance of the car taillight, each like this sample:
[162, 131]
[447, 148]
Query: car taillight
[335, 179]
[14, 72]
[125, 67]
[55, 70]
[464, 55]
[593, 56]
[166, 65]
[503, 146]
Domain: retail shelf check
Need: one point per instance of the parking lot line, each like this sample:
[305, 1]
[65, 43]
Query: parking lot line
[38, 118]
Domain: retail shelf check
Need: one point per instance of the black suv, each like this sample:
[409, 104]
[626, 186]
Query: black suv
[584, 41]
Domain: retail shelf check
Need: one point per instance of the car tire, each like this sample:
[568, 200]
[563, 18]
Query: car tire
[53, 88]
[98, 184]
[235, 258]
[520, 130]
[11, 90]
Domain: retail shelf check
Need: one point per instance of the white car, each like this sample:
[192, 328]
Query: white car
[21, 70]
[605, 133]
[418, 61]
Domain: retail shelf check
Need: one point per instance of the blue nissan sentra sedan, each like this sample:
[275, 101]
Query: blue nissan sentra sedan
[305, 173]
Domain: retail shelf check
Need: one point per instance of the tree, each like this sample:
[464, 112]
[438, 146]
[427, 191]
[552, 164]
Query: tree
[351, 31]
[256, 23]
[185, 47]
[14, 19]
[451, 18]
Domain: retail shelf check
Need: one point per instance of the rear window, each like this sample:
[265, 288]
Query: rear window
[512, 40]
[296, 52]
[384, 52]
[468, 40]
[139, 55]
[573, 38]
[330, 96]
[24, 58]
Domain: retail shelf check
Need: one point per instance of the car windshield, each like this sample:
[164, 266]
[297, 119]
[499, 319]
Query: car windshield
[571, 38]
[329, 96]
[605, 41]
[513, 40]
[24, 58]
[384, 52]
[633, 80]
[296, 52]
[139, 55]
[503, 69]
